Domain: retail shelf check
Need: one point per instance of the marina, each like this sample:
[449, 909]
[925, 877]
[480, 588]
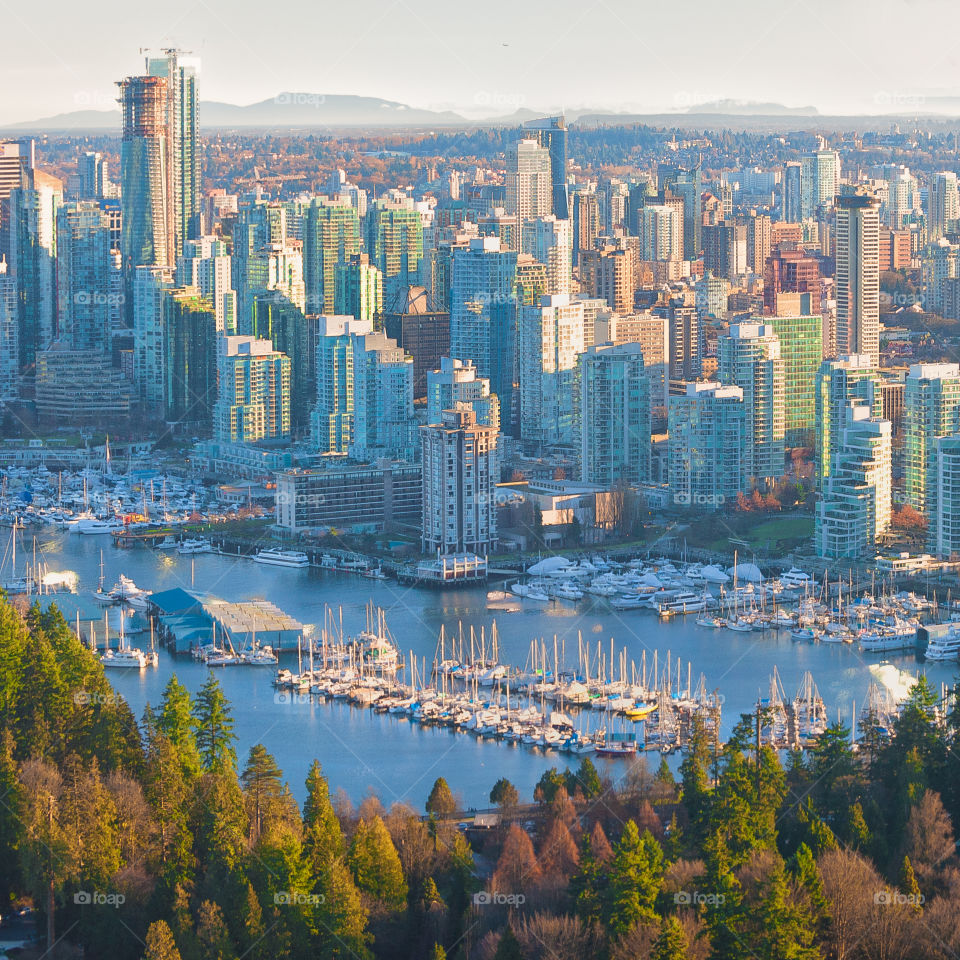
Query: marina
[375, 739]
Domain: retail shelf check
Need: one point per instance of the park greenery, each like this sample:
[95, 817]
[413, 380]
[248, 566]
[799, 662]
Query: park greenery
[155, 839]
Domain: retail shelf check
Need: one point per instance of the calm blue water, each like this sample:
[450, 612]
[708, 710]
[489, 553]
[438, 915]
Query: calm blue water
[361, 750]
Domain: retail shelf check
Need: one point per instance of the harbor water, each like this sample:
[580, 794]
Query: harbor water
[361, 750]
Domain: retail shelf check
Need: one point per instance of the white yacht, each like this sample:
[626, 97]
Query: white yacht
[946, 647]
[283, 558]
[130, 659]
[198, 545]
[796, 579]
[96, 526]
[901, 635]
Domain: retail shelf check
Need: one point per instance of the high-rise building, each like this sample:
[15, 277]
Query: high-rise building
[456, 381]
[33, 253]
[206, 264]
[799, 330]
[484, 276]
[183, 154]
[686, 185]
[838, 382]
[395, 244]
[858, 275]
[359, 289]
[791, 271]
[92, 169]
[9, 336]
[609, 274]
[294, 335]
[84, 269]
[17, 157]
[854, 506]
[547, 240]
[750, 358]
[945, 521]
[424, 333]
[460, 473]
[149, 288]
[383, 400]
[338, 340]
[792, 193]
[686, 340]
[149, 225]
[661, 232]
[253, 391]
[331, 235]
[614, 415]
[551, 133]
[529, 188]
[707, 445]
[190, 359]
[943, 205]
[586, 222]
[931, 410]
[550, 338]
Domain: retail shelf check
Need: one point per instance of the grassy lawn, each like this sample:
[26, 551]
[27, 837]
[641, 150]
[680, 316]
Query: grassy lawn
[787, 528]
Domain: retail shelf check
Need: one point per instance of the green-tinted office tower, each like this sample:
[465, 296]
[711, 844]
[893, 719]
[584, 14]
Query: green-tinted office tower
[331, 235]
[190, 346]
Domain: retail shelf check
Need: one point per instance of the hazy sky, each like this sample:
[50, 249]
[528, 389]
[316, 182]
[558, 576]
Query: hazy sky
[492, 57]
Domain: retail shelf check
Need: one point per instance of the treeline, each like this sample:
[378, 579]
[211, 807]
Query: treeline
[152, 840]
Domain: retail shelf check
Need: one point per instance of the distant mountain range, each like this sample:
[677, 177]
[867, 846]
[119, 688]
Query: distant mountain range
[311, 111]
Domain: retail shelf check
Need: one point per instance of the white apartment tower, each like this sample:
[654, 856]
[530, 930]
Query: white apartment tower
[460, 473]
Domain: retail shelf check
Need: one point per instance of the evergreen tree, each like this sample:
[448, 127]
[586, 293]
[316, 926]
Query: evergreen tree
[160, 944]
[341, 918]
[784, 929]
[857, 831]
[441, 802]
[375, 865]
[176, 722]
[909, 886]
[322, 835]
[635, 876]
[509, 947]
[438, 953]
[695, 779]
[263, 789]
[214, 726]
[11, 805]
[548, 786]
[504, 794]
[585, 779]
[212, 933]
[671, 944]
[167, 793]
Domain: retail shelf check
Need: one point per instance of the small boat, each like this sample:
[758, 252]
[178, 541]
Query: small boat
[128, 659]
[803, 633]
[740, 625]
[629, 602]
[283, 558]
[708, 621]
[640, 712]
[262, 657]
[167, 543]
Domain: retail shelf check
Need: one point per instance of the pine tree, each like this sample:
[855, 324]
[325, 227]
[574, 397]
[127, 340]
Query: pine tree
[167, 793]
[214, 726]
[858, 833]
[375, 865]
[808, 878]
[671, 944]
[175, 721]
[438, 953]
[585, 779]
[635, 876]
[509, 946]
[909, 885]
[11, 803]
[441, 802]
[785, 931]
[212, 932]
[697, 791]
[160, 944]
[341, 918]
[263, 789]
[322, 835]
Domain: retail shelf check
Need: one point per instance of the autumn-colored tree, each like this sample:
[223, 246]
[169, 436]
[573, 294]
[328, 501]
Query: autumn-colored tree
[517, 869]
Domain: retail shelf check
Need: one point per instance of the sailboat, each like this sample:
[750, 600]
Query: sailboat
[126, 657]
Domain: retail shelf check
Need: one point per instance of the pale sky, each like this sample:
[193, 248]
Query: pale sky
[486, 59]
